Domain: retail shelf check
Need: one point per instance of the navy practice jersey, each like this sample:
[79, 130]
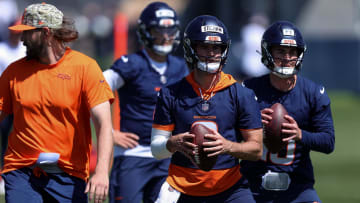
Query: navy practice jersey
[139, 94]
[309, 105]
[231, 109]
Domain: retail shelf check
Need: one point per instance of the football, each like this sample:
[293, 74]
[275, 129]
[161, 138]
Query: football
[200, 159]
[272, 131]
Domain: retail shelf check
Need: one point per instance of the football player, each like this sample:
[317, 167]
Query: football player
[288, 176]
[136, 176]
[210, 97]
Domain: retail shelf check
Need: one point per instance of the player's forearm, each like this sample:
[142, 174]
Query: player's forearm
[105, 147]
[101, 117]
[321, 141]
[250, 150]
[321, 137]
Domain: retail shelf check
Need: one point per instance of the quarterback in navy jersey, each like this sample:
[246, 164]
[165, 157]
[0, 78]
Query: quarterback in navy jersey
[287, 176]
[210, 97]
[136, 176]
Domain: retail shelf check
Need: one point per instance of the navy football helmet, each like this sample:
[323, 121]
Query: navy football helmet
[205, 29]
[163, 18]
[282, 33]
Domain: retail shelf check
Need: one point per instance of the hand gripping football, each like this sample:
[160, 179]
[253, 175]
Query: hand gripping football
[272, 131]
[200, 159]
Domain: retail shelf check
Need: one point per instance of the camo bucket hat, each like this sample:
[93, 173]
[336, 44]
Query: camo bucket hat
[39, 16]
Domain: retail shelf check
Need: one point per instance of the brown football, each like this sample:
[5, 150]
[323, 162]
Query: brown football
[200, 159]
[272, 131]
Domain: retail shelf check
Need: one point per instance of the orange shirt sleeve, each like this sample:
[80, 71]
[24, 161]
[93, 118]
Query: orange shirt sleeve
[5, 96]
[96, 88]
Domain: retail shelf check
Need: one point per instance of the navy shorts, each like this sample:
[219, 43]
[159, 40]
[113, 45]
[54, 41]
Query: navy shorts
[238, 193]
[136, 179]
[295, 193]
[23, 186]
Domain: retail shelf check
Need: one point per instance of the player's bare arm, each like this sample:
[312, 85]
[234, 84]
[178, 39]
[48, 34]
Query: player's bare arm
[250, 149]
[125, 139]
[98, 185]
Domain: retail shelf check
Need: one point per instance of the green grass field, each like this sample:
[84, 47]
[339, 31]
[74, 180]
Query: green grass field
[337, 175]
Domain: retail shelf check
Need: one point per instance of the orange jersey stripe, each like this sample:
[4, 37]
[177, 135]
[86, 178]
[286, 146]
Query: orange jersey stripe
[196, 182]
[170, 127]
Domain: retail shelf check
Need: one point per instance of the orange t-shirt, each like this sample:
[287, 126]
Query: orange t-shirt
[51, 106]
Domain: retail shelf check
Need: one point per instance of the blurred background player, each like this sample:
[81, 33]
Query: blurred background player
[288, 175]
[52, 93]
[9, 12]
[246, 50]
[11, 49]
[136, 176]
[210, 97]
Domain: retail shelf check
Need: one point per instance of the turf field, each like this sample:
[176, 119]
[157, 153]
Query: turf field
[338, 174]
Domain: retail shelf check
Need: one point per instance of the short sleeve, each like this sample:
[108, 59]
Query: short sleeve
[162, 115]
[5, 95]
[95, 87]
[125, 66]
[249, 110]
[321, 97]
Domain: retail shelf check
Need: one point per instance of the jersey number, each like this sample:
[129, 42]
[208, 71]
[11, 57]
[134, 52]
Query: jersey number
[281, 158]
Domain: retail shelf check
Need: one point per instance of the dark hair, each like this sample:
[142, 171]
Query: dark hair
[67, 32]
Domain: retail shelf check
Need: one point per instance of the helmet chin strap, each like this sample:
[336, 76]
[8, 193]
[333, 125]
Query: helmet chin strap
[208, 67]
[162, 49]
[284, 72]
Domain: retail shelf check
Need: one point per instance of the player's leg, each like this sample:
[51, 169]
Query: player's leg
[18, 187]
[300, 193]
[62, 187]
[158, 172]
[295, 193]
[128, 178]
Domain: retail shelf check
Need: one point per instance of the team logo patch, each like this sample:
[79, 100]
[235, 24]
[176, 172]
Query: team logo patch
[205, 106]
[288, 41]
[163, 79]
[213, 38]
[288, 32]
[64, 76]
[212, 28]
[164, 13]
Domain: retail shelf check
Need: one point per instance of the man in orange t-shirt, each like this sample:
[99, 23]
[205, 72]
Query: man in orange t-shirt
[53, 92]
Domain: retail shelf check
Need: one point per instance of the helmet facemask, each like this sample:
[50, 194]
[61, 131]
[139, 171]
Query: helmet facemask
[284, 71]
[166, 34]
[211, 64]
